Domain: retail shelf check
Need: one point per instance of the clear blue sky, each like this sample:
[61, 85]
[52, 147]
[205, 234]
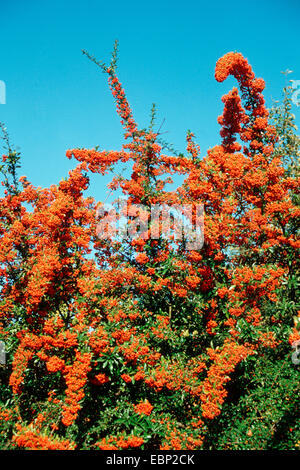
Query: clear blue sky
[57, 99]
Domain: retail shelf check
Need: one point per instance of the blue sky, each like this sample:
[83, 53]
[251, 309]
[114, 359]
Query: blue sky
[56, 99]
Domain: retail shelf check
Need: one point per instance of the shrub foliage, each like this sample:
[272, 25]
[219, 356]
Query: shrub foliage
[144, 343]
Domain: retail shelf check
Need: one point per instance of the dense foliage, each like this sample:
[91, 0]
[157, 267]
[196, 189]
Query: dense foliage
[144, 343]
